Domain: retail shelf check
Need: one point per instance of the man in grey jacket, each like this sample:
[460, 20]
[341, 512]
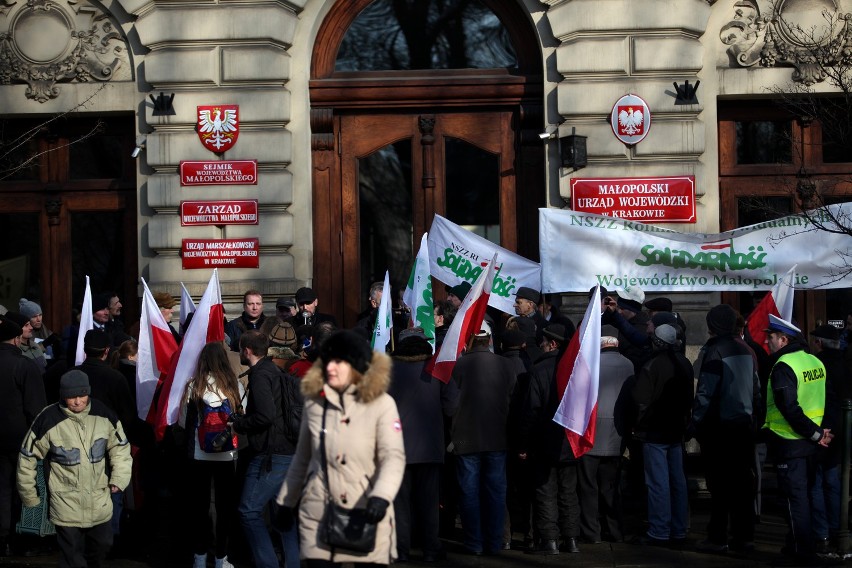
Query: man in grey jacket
[600, 468]
[89, 457]
[723, 422]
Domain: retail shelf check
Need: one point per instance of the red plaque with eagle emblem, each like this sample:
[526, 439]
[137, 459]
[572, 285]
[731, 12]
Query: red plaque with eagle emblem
[218, 127]
[630, 119]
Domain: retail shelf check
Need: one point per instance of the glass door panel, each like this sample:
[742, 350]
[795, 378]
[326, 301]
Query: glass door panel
[473, 188]
[97, 251]
[399, 170]
[19, 259]
[385, 208]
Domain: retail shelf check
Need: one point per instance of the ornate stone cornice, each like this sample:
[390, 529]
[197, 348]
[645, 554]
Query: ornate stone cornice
[45, 42]
[794, 33]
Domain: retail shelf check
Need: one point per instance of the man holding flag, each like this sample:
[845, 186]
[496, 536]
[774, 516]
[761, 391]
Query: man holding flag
[556, 509]
[486, 382]
[383, 327]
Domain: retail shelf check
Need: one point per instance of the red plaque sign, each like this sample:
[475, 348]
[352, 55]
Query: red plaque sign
[218, 127]
[220, 253]
[218, 213]
[653, 200]
[219, 172]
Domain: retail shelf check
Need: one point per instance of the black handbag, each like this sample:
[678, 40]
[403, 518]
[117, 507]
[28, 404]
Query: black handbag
[342, 528]
[347, 529]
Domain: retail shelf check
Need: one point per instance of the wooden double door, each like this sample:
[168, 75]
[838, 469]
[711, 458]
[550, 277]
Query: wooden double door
[391, 174]
[68, 213]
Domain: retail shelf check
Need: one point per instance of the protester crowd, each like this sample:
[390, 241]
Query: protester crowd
[292, 422]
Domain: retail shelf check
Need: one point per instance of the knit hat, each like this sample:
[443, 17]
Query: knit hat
[460, 290]
[165, 300]
[19, 319]
[666, 333]
[347, 346]
[282, 335]
[722, 319]
[9, 329]
[529, 294]
[659, 305]
[74, 383]
[29, 309]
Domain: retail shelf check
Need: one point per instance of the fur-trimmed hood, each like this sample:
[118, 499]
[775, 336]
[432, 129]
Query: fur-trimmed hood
[368, 386]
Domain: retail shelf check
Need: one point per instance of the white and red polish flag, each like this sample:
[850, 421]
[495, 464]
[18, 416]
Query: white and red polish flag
[577, 380]
[187, 306]
[156, 347]
[87, 322]
[778, 302]
[468, 321]
[207, 326]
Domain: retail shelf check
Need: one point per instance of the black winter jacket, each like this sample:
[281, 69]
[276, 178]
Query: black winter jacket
[663, 394]
[422, 401]
[485, 383]
[264, 422]
[21, 396]
[110, 387]
[540, 436]
[728, 386]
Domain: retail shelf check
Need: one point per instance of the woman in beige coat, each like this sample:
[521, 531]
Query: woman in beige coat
[364, 450]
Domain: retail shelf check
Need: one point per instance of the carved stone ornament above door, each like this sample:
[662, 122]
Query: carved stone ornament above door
[45, 42]
[808, 35]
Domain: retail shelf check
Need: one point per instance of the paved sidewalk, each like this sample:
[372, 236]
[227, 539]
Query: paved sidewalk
[158, 547]
[769, 538]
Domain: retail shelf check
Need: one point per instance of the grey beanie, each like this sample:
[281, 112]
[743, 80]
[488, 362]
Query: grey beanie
[28, 308]
[667, 334]
[74, 383]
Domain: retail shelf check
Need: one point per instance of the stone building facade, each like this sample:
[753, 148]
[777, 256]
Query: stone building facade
[106, 59]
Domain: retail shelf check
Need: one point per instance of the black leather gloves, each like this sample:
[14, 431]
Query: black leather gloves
[377, 508]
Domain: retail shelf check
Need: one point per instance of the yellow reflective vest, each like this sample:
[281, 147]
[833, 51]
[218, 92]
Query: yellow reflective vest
[810, 388]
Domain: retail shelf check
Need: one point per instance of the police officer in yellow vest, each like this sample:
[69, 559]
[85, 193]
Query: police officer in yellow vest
[794, 408]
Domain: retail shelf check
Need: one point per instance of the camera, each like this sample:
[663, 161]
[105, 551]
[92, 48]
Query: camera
[222, 438]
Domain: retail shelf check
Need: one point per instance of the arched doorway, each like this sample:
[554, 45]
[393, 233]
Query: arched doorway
[428, 109]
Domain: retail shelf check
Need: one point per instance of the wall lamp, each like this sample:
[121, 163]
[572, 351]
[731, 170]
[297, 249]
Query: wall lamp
[163, 105]
[686, 93]
[551, 132]
[140, 143]
[572, 149]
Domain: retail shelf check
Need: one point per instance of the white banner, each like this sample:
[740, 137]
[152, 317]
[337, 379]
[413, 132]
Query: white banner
[456, 255]
[580, 250]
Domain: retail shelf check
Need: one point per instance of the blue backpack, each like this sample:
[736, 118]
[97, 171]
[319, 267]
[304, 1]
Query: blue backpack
[212, 423]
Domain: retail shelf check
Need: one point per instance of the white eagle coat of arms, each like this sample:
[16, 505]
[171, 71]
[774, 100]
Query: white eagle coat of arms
[218, 127]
